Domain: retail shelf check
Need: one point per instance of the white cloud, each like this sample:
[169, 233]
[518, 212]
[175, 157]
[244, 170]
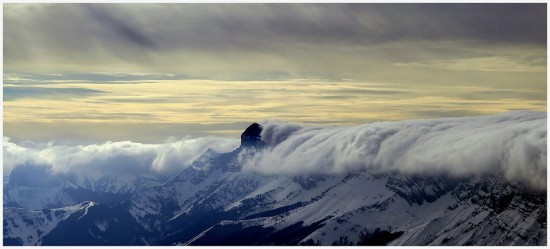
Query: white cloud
[512, 144]
[115, 158]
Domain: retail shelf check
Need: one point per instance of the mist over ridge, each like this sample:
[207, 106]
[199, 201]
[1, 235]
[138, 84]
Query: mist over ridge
[511, 144]
[454, 181]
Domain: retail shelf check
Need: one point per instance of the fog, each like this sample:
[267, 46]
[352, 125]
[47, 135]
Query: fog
[114, 158]
[512, 144]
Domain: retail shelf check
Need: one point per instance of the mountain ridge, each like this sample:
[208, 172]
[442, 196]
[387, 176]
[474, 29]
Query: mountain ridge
[219, 200]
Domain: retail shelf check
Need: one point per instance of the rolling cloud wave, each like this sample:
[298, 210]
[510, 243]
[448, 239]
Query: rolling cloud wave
[115, 158]
[512, 144]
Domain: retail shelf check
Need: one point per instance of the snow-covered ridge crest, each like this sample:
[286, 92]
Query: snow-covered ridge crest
[512, 144]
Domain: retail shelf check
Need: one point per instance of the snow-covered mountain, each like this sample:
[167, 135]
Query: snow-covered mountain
[219, 200]
[23, 226]
[217, 206]
[40, 175]
[34, 187]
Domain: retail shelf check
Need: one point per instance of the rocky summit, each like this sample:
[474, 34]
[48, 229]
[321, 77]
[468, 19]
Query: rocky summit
[251, 137]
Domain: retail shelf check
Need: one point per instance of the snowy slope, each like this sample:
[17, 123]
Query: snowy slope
[35, 188]
[341, 212]
[214, 205]
[23, 226]
[121, 184]
[219, 200]
[48, 197]
[37, 197]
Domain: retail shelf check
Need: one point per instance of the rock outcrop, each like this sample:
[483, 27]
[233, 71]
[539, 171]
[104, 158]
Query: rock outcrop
[251, 137]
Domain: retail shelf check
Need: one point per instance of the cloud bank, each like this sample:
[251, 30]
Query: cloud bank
[114, 158]
[512, 144]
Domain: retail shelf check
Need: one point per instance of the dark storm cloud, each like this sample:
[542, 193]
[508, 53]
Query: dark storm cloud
[119, 27]
[72, 35]
[485, 22]
[253, 24]
[506, 22]
[140, 33]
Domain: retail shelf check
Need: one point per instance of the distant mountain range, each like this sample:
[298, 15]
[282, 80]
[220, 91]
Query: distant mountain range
[216, 202]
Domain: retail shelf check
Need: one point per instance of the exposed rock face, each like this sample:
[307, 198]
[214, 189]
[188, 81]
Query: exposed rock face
[251, 136]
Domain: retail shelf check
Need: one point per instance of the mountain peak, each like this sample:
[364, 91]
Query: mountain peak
[251, 137]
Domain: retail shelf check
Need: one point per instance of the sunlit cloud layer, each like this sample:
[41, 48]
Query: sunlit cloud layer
[169, 103]
[145, 72]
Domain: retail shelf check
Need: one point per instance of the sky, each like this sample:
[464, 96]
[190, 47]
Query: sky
[90, 73]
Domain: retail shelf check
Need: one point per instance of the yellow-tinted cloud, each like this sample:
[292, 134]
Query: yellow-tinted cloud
[207, 102]
[149, 68]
